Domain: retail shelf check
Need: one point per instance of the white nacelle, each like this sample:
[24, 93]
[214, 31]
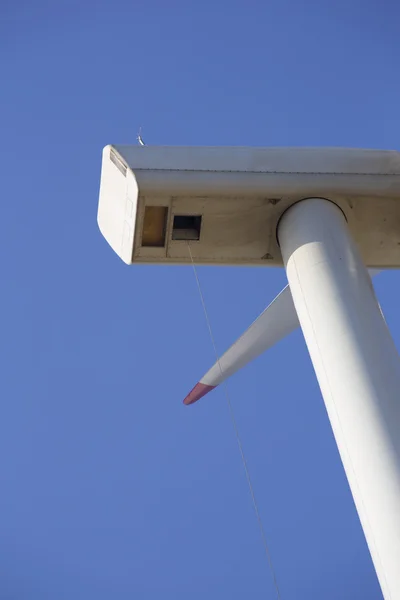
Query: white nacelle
[227, 202]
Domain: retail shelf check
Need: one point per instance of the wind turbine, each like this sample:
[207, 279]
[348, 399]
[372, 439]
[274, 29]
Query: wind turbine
[326, 215]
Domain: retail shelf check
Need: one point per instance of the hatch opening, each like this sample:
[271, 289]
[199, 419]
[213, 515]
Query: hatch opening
[186, 227]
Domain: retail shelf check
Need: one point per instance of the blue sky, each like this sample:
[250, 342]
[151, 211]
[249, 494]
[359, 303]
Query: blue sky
[110, 487]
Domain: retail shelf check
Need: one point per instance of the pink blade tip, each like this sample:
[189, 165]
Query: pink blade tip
[199, 390]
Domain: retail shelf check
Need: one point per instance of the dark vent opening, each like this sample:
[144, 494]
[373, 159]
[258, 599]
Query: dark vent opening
[186, 227]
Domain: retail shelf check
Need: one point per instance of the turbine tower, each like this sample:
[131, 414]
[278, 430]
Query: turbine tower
[328, 216]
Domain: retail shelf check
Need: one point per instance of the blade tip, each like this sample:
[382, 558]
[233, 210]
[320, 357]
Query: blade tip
[199, 391]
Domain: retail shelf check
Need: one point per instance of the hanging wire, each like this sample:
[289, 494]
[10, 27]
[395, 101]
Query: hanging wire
[236, 430]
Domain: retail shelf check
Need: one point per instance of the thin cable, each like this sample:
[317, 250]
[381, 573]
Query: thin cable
[236, 430]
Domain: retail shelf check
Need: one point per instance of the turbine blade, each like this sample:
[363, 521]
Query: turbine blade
[275, 322]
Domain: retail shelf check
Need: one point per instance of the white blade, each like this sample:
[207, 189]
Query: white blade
[275, 322]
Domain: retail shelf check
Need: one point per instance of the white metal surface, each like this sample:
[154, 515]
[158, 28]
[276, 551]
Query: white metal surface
[118, 206]
[357, 367]
[241, 193]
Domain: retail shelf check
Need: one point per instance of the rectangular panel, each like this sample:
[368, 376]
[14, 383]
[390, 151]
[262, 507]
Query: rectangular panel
[154, 226]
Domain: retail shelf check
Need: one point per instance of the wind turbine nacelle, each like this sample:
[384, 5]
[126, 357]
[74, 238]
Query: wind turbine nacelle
[227, 201]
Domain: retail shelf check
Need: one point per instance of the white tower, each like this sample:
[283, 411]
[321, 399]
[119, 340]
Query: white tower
[325, 215]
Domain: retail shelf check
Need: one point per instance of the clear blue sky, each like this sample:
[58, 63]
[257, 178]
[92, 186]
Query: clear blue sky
[109, 486]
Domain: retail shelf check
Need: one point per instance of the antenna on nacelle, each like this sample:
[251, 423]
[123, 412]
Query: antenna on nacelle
[139, 138]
